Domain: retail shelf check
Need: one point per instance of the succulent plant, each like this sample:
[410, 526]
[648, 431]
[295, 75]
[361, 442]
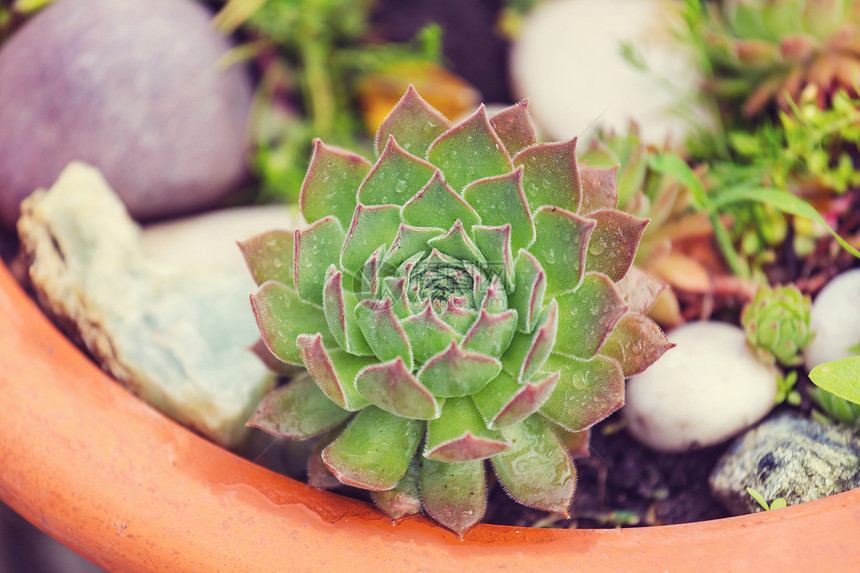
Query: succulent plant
[456, 301]
[770, 50]
[777, 324]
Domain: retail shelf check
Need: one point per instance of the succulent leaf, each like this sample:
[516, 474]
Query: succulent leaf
[372, 227]
[560, 247]
[437, 205]
[392, 387]
[587, 316]
[375, 449]
[613, 243]
[492, 333]
[428, 335]
[269, 257]
[466, 310]
[282, 316]
[414, 123]
[297, 411]
[495, 244]
[461, 435]
[635, 343]
[456, 372]
[470, 151]
[527, 352]
[499, 201]
[404, 498]
[586, 392]
[529, 291]
[504, 401]
[331, 183]
[333, 370]
[551, 175]
[599, 189]
[319, 475]
[396, 177]
[536, 470]
[316, 248]
[457, 244]
[514, 127]
[339, 308]
[383, 331]
[455, 495]
[409, 242]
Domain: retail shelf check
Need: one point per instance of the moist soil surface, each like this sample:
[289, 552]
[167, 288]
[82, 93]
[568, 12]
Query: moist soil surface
[622, 484]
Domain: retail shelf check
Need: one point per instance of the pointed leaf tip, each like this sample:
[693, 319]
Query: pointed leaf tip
[514, 127]
[636, 343]
[395, 178]
[469, 151]
[455, 495]
[551, 175]
[331, 183]
[413, 122]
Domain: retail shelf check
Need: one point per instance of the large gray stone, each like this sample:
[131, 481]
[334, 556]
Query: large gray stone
[132, 87]
[789, 457]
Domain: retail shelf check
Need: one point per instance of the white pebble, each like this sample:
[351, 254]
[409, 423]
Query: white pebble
[702, 392]
[835, 320]
[567, 60]
[210, 238]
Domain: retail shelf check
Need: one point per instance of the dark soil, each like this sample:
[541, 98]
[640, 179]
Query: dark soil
[623, 483]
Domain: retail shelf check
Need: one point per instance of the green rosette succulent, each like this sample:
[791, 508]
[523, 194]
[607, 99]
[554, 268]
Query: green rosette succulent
[770, 50]
[776, 322]
[454, 302]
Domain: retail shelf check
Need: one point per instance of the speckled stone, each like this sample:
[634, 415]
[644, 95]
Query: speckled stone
[789, 457]
[131, 87]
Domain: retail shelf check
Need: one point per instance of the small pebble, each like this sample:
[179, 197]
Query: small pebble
[568, 61]
[211, 238]
[835, 320]
[702, 392]
[789, 457]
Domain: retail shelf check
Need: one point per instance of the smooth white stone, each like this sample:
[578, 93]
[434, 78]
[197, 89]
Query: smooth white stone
[567, 60]
[210, 239]
[835, 320]
[702, 392]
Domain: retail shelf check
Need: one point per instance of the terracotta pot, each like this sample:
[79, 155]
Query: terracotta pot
[125, 487]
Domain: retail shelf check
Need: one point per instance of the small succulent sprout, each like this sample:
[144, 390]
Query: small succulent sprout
[776, 322]
[454, 302]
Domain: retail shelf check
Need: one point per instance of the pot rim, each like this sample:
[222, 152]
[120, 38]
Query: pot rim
[131, 490]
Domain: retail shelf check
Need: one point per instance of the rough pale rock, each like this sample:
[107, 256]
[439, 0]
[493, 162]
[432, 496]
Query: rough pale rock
[835, 320]
[177, 335]
[567, 60]
[702, 392]
[789, 457]
[133, 87]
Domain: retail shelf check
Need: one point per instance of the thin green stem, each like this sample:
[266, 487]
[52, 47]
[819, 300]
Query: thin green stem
[318, 88]
[724, 242]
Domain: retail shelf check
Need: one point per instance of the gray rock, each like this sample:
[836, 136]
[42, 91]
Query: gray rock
[177, 335]
[789, 457]
[131, 87]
